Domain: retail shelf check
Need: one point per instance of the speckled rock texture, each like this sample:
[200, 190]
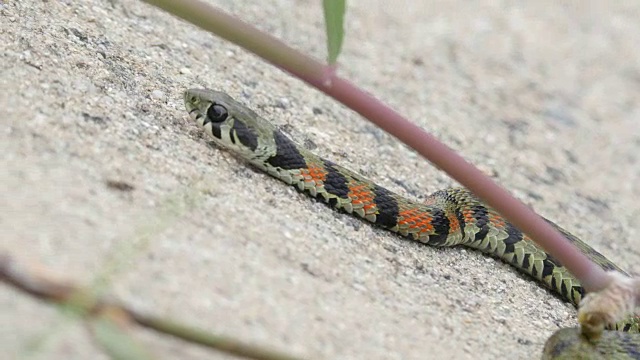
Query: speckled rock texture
[542, 95]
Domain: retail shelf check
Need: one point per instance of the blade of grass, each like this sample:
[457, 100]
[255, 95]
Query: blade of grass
[334, 22]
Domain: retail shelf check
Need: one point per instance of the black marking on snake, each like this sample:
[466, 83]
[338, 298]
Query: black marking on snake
[553, 286]
[580, 290]
[525, 261]
[481, 215]
[215, 130]
[335, 183]
[514, 236]
[548, 265]
[576, 293]
[441, 225]
[387, 215]
[245, 134]
[287, 156]
[563, 289]
[534, 271]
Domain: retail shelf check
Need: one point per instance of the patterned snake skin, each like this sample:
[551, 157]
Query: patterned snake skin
[448, 217]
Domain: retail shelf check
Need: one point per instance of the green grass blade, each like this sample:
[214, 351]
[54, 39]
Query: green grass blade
[334, 20]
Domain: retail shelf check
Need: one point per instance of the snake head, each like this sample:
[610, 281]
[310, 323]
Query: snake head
[232, 125]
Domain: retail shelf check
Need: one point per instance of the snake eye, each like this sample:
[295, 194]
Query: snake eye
[217, 113]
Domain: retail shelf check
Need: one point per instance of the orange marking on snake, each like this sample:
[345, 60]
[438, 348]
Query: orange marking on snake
[416, 218]
[468, 216]
[454, 224]
[315, 173]
[497, 221]
[360, 194]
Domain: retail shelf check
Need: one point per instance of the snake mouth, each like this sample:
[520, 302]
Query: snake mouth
[196, 115]
[193, 103]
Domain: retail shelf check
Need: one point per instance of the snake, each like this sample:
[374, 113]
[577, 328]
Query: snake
[448, 217]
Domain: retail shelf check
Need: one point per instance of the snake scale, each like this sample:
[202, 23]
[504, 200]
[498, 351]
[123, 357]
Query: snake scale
[448, 217]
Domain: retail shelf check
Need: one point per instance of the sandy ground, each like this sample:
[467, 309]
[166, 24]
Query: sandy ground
[541, 95]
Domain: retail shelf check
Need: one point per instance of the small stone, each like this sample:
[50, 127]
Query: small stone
[157, 95]
[282, 103]
[185, 71]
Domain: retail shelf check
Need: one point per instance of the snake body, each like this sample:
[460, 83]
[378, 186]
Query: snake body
[448, 217]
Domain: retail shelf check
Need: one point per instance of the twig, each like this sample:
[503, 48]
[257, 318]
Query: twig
[86, 304]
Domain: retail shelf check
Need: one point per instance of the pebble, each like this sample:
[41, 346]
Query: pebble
[282, 103]
[157, 95]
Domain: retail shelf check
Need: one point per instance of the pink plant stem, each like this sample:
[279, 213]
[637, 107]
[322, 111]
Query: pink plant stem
[592, 277]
